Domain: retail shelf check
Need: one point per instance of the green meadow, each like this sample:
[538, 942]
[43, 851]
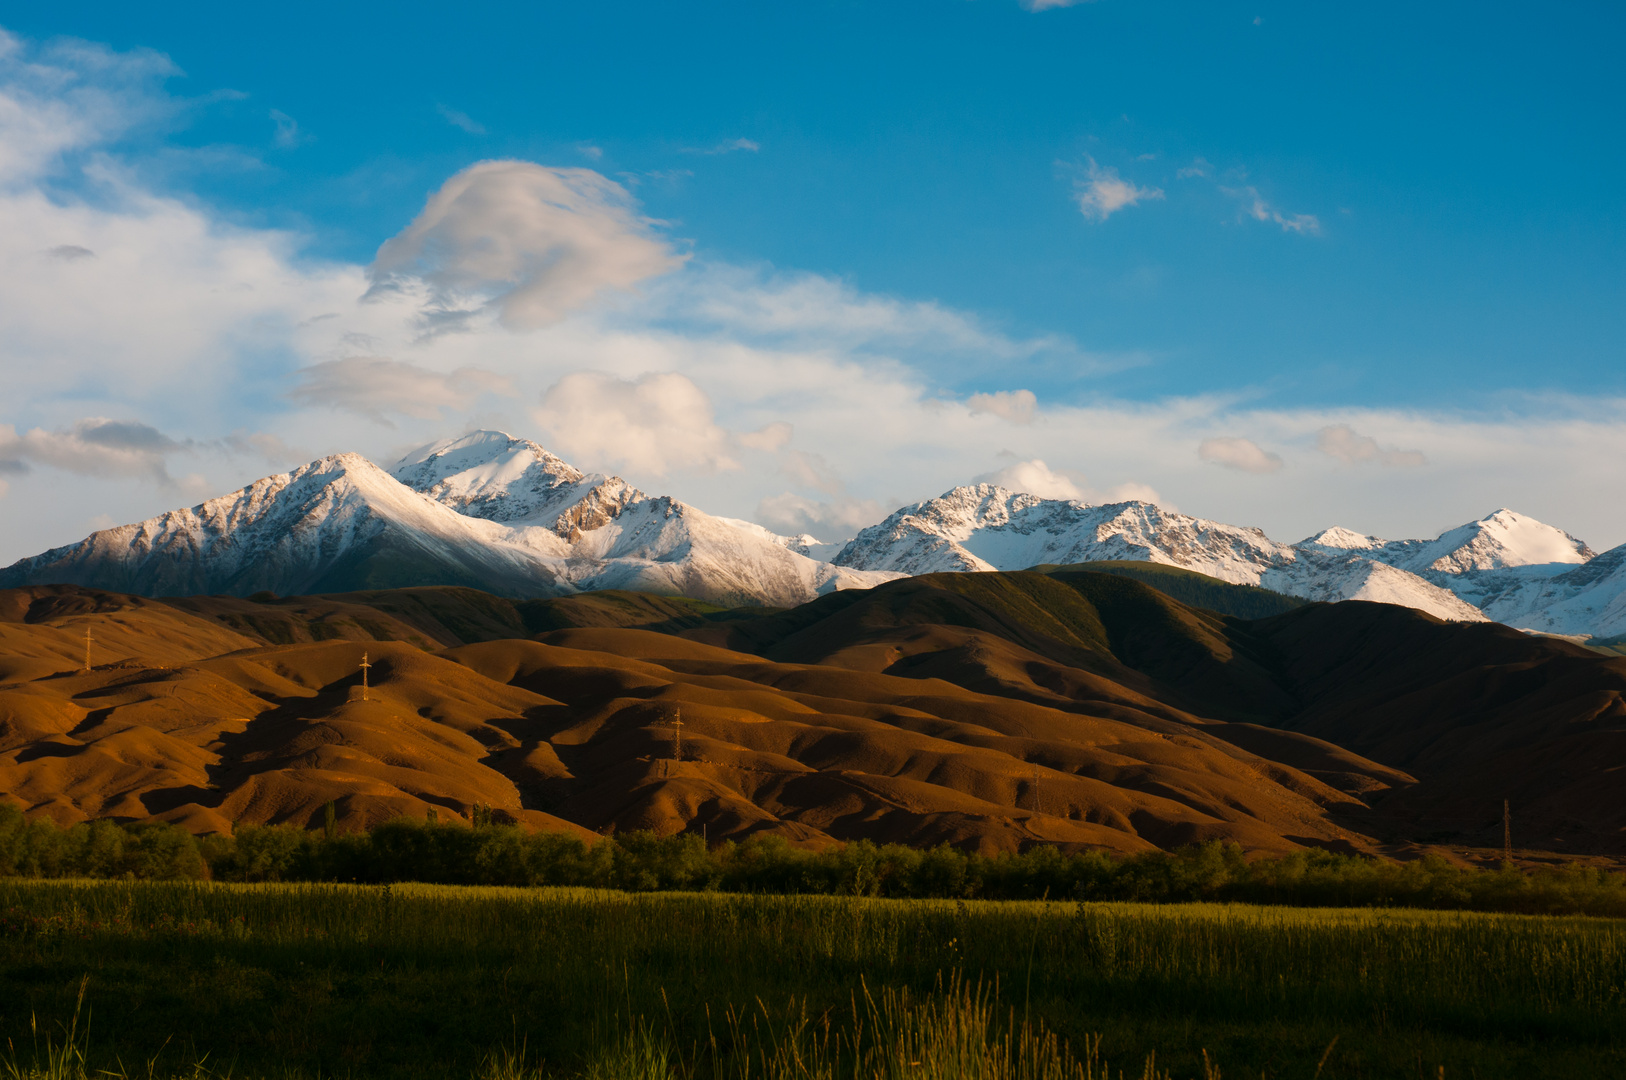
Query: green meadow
[150, 978]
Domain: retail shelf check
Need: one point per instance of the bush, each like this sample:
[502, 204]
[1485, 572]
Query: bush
[491, 854]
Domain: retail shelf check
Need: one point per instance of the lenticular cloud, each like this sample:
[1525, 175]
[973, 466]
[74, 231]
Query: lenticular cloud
[532, 242]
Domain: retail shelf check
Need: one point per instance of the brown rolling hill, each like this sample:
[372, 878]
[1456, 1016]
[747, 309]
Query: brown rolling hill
[991, 711]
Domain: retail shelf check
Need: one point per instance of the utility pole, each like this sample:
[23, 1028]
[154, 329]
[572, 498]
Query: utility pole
[1507, 832]
[87, 648]
[1036, 809]
[364, 668]
[677, 735]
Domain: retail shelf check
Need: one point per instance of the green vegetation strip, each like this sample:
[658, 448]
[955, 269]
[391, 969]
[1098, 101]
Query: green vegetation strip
[419, 980]
[487, 854]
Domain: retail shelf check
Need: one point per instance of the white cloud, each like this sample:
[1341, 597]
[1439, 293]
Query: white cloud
[811, 471]
[1046, 5]
[1133, 492]
[653, 424]
[816, 312]
[1235, 452]
[461, 120]
[1015, 406]
[1103, 193]
[70, 95]
[1199, 167]
[527, 241]
[1342, 442]
[377, 386]
[769, 437]
[1255, 207]
[832, 520]
[94, 446]
[1037, 478]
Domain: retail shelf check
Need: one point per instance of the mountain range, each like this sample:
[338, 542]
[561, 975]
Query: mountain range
[507, 516]
[1087, 708]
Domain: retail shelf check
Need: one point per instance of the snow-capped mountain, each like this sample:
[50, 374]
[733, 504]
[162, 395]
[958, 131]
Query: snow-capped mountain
[485, 510]
[1505, 566]
[338, 523]
[1500, 541]
[504, 514]
[614, 536]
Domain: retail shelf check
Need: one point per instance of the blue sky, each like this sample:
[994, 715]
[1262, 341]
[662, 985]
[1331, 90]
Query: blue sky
[1167, 247]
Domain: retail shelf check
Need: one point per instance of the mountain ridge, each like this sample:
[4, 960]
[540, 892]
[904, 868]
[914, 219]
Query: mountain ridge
[492, 511]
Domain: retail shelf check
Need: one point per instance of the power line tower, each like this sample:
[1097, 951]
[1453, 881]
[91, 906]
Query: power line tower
[365, 667]
[1507, 832]
[87, 648]
[677, 735]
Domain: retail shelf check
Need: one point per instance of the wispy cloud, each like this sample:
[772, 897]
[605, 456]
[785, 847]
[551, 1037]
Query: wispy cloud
[460, 119]
[727, 146]
[378, 387]
[1256, 207]
[1102, 192]
[288, 133]
[1346, 444]
[1046, 5]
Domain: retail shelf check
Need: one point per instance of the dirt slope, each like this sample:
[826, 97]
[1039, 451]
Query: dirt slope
[991, 711]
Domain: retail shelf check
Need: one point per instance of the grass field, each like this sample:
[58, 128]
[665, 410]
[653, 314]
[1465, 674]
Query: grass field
[412, 980]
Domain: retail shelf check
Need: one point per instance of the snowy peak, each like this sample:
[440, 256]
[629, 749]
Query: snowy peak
[1502, 540]
[492, 475]
[1341, 539]
[988, 528]
[984, 527]
[337, 523]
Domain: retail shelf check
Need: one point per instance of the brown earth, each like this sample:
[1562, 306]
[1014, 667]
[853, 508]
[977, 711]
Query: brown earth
[990, 711]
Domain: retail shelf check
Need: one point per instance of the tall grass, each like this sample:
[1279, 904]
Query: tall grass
[426, 980]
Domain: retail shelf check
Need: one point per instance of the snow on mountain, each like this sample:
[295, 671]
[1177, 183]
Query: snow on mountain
[1508, 565]
[1499, 541]
[504, 514]
[1587, 600]
[486, 510]
[1316, 575]
[985, 527]
[618, 537]
[491, 475]
[338, 523]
